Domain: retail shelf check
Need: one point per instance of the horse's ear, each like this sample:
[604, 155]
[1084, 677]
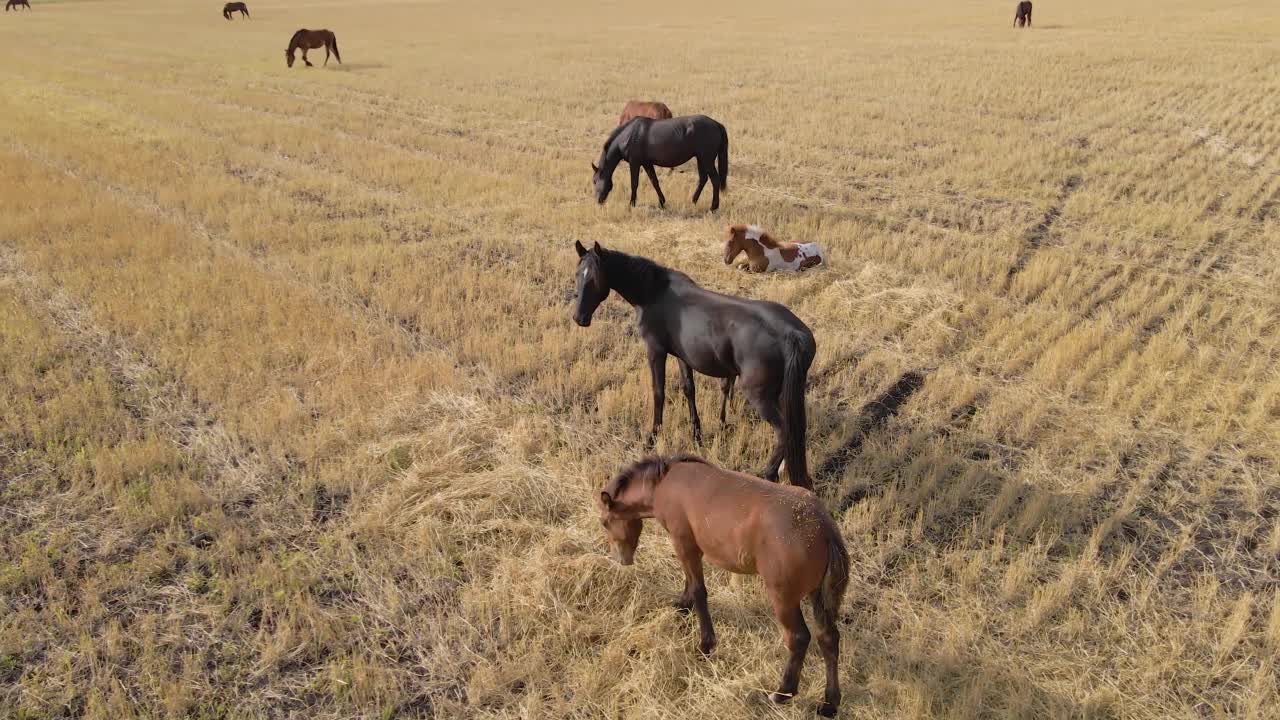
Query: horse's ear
[597, 249]
[606, 499]
[578, 246]
[594, 169]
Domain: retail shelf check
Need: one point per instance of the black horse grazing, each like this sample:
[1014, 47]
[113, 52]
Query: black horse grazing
[718, 335]
[1022, 16]
[232, 7]
[15, 4]
[644, 142]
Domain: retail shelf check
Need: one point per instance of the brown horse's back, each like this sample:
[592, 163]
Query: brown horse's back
[748, 525]
[644, 108]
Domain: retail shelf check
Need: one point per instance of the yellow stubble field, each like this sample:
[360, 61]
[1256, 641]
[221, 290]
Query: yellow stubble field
[294, 420]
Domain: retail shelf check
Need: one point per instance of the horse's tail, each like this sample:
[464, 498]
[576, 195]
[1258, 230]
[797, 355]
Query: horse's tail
[798, 351]
[723, 168]
[333, 38]
[828, 597]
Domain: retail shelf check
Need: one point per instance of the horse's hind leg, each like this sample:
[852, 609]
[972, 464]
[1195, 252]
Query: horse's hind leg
[702, 180]
[795, 635]
[829, 641]
[686, 380]
[326, 55]
[765, 401]
[653, 178]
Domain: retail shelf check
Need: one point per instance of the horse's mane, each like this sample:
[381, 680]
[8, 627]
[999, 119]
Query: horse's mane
[654, 466]
[635, 278]
[765, 239]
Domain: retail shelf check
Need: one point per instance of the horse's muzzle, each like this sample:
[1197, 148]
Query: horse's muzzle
[582, 321]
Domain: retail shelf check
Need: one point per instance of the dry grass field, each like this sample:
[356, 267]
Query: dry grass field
[294, 421]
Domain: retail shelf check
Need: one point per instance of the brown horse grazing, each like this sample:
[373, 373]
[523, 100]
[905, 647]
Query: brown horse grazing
[644, 108]
[233, 7]
[15, 3]
[747, 526]
[765, 254]
[310, 40]
[1022, 15]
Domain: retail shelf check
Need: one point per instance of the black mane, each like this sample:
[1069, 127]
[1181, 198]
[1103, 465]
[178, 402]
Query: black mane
[655, 466]
[636, 279]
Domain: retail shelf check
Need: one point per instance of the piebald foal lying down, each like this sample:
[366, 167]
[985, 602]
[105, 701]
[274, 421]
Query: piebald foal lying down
[766, 254]
[748, 526]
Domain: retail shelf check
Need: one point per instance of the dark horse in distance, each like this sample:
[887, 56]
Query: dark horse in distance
[310, 40]
[644, 142]
[17, 3]
[1022, 16]
[726, 337]
[233, 7]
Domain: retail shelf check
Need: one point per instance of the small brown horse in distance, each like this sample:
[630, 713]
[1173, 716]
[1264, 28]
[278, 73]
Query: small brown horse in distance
[310, 40]
[747, 526]
[16, 3]
[233, 7]
[644, 108]
[1022, 15]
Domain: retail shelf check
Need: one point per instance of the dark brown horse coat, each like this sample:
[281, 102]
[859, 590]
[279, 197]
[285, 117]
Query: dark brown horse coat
[1022, 15]
[305, 40]
[15, 4]
[234, 7]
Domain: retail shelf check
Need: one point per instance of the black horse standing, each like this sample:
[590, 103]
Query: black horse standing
[644, 142]
[1022, 16]
[763, 343]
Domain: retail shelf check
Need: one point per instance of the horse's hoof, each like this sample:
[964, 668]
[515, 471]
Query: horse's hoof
[826, 709]
[706, 646]
[780, 698]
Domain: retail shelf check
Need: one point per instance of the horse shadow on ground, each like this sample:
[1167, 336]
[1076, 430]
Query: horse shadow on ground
[359, 67]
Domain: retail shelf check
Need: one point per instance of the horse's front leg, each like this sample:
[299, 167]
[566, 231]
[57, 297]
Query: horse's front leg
[653, 178]
[635, 181]
[304, 58]
[695, 589]
[658, 371]
[726, 390]
[686, 380]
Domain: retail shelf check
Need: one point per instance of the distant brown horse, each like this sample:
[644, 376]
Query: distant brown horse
[15, 3]
[747, 526]
[233, 7]
[310, 40]
[765, 254]
[644, 108]
[1022, 15]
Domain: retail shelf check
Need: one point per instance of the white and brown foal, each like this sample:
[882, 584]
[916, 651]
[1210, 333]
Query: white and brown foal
[765, 254]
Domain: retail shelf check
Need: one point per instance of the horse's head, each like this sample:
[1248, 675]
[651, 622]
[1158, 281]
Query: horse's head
[592, 286]
[624, 502]
[288, 57]
[603, 183]
[622, 529]
[735, 242]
